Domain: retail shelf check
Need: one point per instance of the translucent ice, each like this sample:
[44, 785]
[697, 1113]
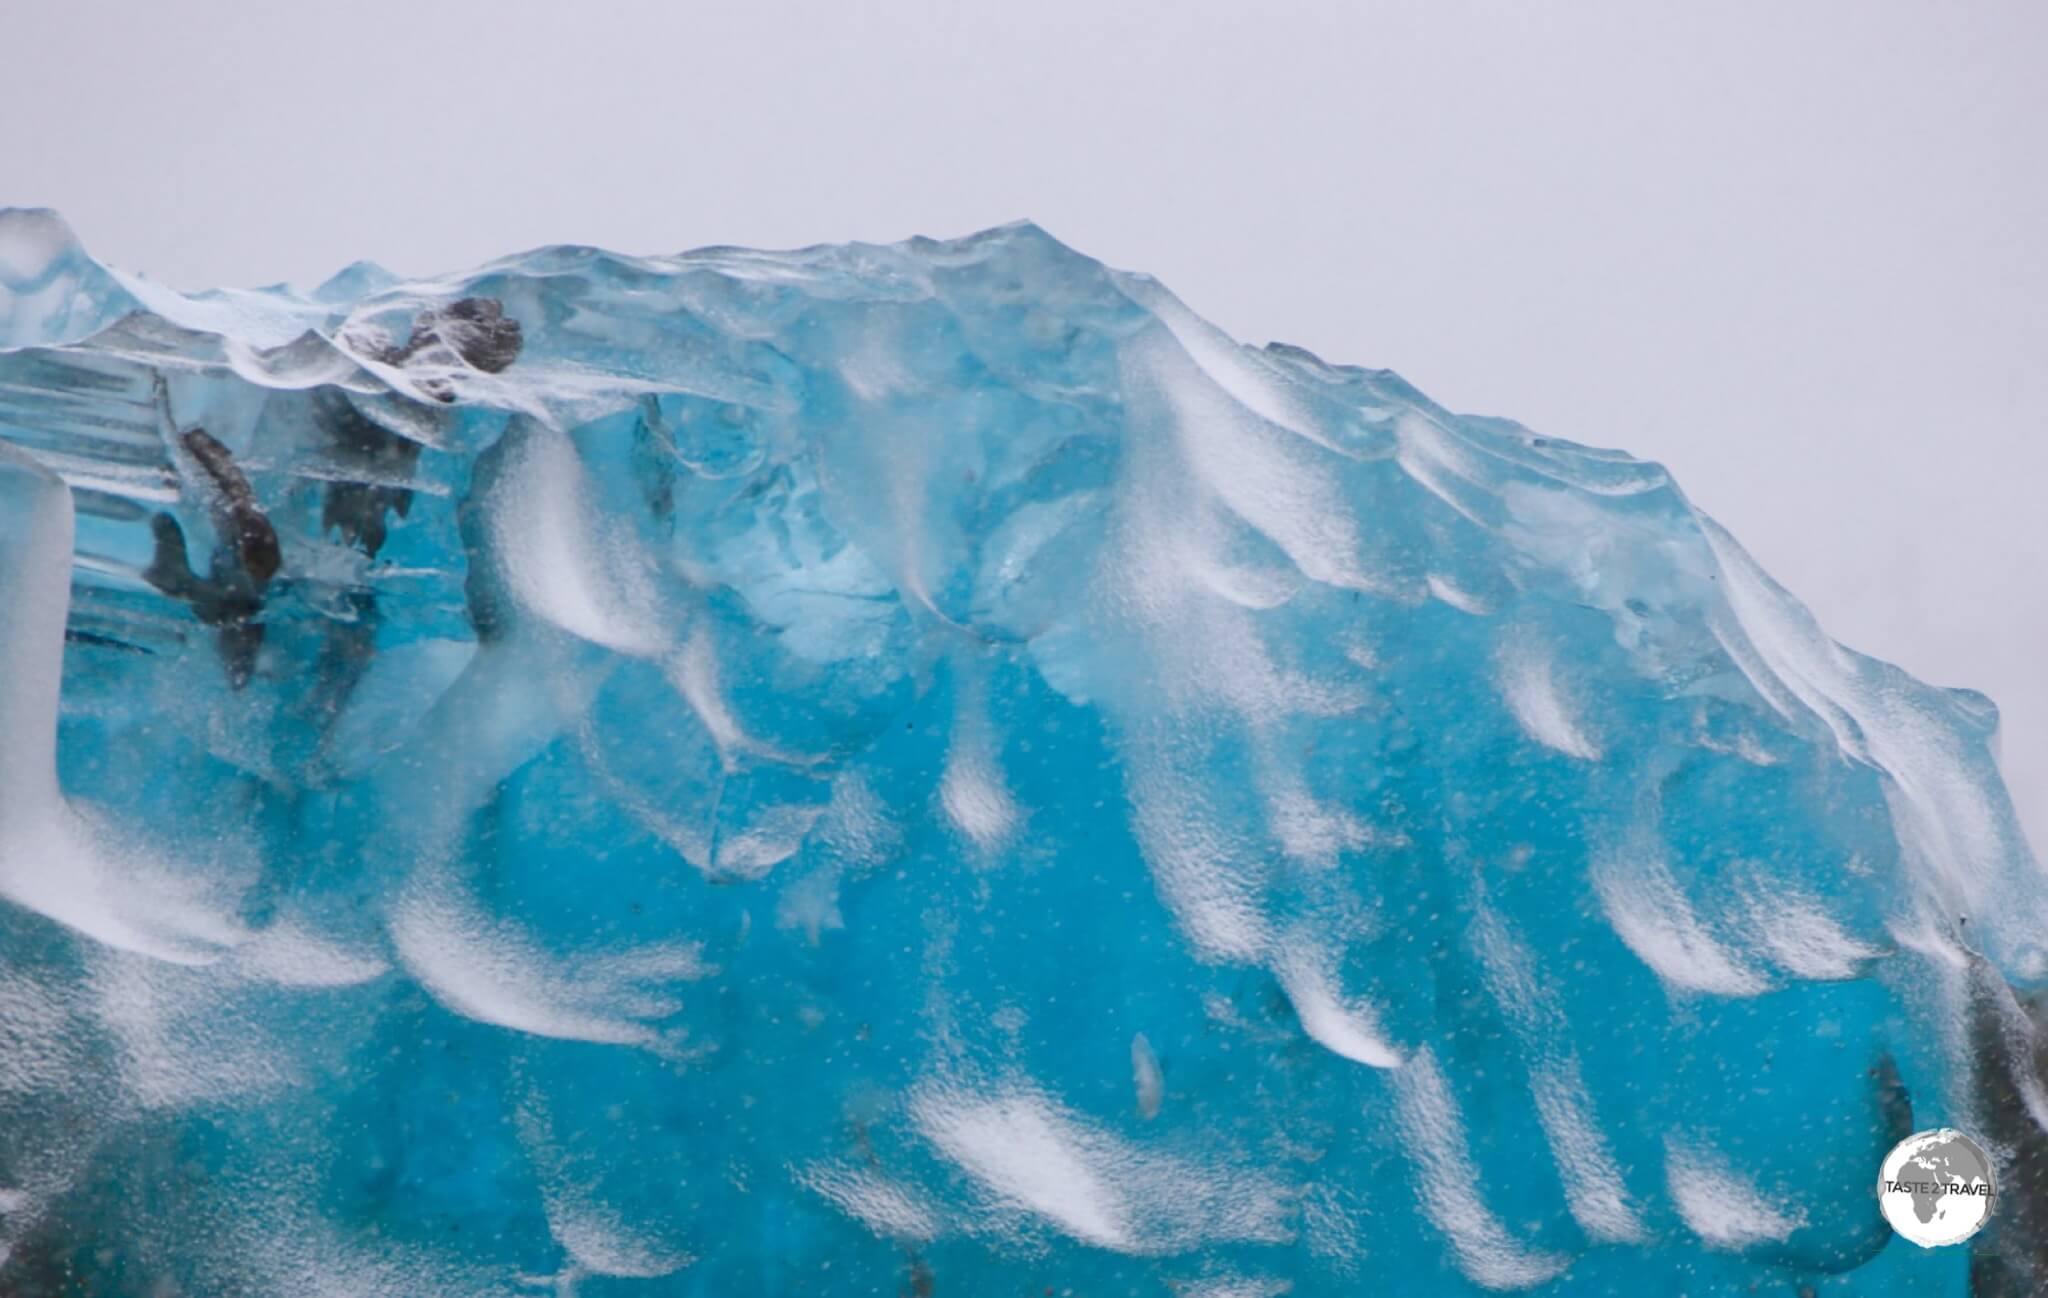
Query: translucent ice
[929, 769]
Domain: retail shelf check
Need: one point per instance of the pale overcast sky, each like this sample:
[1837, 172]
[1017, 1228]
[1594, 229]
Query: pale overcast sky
[1798, 252]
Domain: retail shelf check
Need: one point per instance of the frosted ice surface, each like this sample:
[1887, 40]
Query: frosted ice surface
[930, 769]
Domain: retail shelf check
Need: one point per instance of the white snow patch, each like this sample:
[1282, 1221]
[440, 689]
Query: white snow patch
[1649, 913]
[1450, 592]
[1027, 1152]
[1448, 1184]
[1722, 1208]
[1344, 1025]
[1802, 938]
[1528, 682]
[488, 969]
[1031, 1154]
[1593, 1185]
[878, 1203]
[554, 552]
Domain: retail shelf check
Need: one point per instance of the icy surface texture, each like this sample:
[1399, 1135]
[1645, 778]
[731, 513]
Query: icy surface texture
[931, 770]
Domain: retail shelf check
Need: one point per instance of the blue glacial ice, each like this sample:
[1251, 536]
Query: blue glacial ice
[931, 770]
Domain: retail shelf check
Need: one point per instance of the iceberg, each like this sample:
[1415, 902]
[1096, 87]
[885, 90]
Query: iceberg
[930, 769]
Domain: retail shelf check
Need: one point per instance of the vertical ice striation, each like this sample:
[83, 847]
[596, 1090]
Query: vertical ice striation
[929, 769]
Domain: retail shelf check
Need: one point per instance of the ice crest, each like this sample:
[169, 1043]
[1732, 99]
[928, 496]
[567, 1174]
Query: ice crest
[927, 768]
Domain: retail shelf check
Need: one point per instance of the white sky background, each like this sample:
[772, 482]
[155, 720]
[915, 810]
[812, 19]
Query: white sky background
[1798, 252]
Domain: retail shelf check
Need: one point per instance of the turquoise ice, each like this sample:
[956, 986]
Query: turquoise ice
[927, 769]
